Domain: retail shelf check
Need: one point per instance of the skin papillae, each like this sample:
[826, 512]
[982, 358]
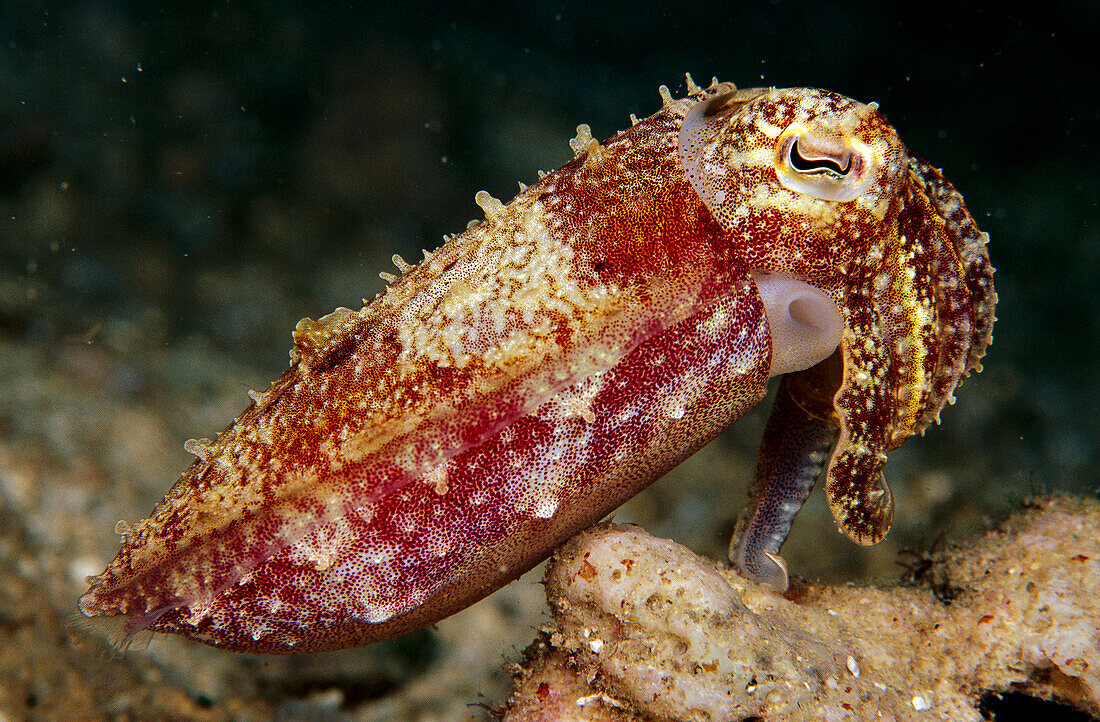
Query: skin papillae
[546, 364]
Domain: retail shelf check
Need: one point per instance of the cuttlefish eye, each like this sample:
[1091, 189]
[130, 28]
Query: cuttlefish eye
[826, 166]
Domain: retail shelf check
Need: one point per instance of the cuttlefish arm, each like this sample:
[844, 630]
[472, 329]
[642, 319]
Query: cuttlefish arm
[798, 438]
[918, 315]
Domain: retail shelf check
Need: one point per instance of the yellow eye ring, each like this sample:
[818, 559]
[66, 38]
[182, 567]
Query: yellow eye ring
[833, 168]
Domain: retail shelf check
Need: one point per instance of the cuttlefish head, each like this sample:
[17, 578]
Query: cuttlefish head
[817, 191]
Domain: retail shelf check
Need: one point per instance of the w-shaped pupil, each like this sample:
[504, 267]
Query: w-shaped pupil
[811, 165]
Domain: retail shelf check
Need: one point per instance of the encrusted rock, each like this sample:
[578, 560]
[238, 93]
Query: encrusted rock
[645, 629]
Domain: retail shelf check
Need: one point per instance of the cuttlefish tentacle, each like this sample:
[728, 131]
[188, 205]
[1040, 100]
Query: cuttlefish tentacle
[889, 330]
[918, 317]
[977, 300]
[799, 435]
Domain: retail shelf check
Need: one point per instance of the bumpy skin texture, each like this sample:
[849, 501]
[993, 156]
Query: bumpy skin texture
[551, 361]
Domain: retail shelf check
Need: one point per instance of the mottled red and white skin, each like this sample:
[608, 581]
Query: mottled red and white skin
[549, 362]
